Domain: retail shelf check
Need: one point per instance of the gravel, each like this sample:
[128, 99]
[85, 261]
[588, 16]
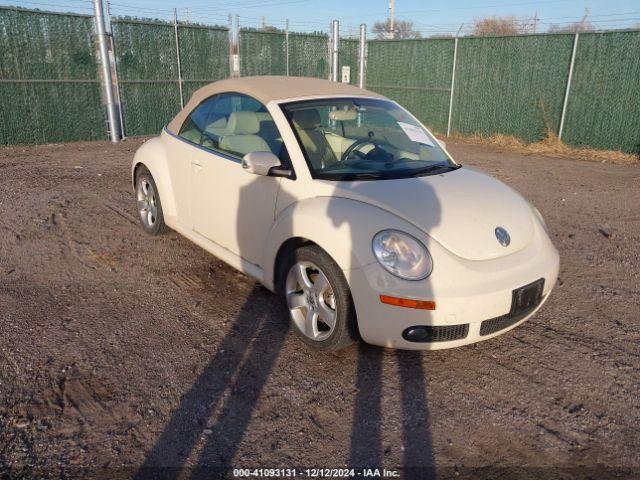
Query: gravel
[121, 353]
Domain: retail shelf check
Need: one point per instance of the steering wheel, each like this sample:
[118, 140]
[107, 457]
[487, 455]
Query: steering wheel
[356, 145]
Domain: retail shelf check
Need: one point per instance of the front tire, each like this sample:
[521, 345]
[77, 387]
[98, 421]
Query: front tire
[148, 202]
[320, 304]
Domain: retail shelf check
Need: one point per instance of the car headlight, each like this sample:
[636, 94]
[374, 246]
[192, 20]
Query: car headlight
[402, 255]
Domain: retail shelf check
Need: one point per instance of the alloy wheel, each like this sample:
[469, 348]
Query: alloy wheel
[311, 301]
[147, 203]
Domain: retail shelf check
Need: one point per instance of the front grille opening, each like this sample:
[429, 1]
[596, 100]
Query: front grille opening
[524, 301]
[427, 333]
[496, 324]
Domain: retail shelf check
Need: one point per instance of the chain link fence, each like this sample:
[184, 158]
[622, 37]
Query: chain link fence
[49, 81]
[294, 54]
[603, 109]
[308, 55]
[518, 85]
[262, 53]
[511, 85]
[415, 73]
[150, 79]
[526, 86]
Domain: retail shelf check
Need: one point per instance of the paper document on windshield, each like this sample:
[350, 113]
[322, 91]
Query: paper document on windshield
[416, 134]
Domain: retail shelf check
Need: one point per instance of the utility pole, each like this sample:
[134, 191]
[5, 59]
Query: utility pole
[107, 80]
[264, 22]
[392, 20]
[535, 22]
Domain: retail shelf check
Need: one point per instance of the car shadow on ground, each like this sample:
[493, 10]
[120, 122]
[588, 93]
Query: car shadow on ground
[241, 367]
[366, 449]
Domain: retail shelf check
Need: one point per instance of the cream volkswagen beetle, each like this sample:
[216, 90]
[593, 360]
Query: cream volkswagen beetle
[344, 203]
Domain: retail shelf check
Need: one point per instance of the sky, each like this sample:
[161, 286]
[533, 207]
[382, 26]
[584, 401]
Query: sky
[308, 15]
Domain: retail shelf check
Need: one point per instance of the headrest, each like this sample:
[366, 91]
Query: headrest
[243, 123]
[307, 119]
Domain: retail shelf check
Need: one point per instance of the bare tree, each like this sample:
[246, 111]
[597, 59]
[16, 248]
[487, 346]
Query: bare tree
[577, 27]
[271, 28]
[402, 29]
[584, 25]
[499, 26]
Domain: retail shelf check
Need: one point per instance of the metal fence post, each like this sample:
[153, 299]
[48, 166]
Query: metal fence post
[286, 45]
[115, 71]
[230, 25]
[175, 31]
[453, 82]
[237, 66]
[335, 41]
[362, 60]
[453, 78]
[112, 114]
[568, 88]
[329, 54]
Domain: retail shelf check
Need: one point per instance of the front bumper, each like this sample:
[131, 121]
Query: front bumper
[465, 292]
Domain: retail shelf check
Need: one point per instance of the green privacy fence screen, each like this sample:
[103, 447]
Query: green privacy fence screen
[49, 82]
[511, 85]
[262, 53]
[51, 89]
[603, 110]
[348, 56]
[308, 55]
[415, 73]
[147, 65]
[295, 54]
[517, 85]
[276, 53]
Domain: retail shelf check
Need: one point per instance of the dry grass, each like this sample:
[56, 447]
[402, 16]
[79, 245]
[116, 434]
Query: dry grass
[551, 146]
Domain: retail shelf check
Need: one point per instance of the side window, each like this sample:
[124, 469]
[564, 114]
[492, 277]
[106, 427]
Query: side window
[236, 124]
[195, 125]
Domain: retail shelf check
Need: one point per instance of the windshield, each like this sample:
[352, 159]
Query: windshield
[364, 139]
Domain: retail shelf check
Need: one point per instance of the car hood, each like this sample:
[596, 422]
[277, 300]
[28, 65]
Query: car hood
[460, 209]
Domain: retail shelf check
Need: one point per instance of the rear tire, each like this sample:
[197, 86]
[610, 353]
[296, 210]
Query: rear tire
[148, 203]
[320, 305]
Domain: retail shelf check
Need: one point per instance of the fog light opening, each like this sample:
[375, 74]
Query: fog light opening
[416, 334]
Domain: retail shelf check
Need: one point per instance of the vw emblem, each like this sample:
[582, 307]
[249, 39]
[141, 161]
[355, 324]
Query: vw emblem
[503, 236]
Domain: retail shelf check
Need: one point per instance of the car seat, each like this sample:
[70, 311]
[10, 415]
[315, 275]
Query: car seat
[241, 138]
[318, 150]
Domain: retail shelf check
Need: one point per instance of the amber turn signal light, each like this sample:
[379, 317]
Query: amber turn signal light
[408, 303]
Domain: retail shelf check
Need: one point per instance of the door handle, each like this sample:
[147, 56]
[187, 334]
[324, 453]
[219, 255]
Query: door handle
[196, 167]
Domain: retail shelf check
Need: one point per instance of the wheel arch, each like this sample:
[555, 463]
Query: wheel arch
[287, 247]
[153, 157]
[343, 228]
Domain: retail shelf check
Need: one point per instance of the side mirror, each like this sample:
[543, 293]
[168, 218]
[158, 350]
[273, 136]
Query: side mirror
[263, 163]
[442, 144]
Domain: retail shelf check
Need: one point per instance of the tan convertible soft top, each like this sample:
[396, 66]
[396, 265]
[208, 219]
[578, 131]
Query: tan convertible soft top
[268, 88]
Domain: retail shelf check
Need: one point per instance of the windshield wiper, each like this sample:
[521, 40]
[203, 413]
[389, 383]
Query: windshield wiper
[432, 168]
[371, 176]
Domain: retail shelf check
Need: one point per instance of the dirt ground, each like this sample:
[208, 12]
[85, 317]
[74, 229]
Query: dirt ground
[121, 353]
